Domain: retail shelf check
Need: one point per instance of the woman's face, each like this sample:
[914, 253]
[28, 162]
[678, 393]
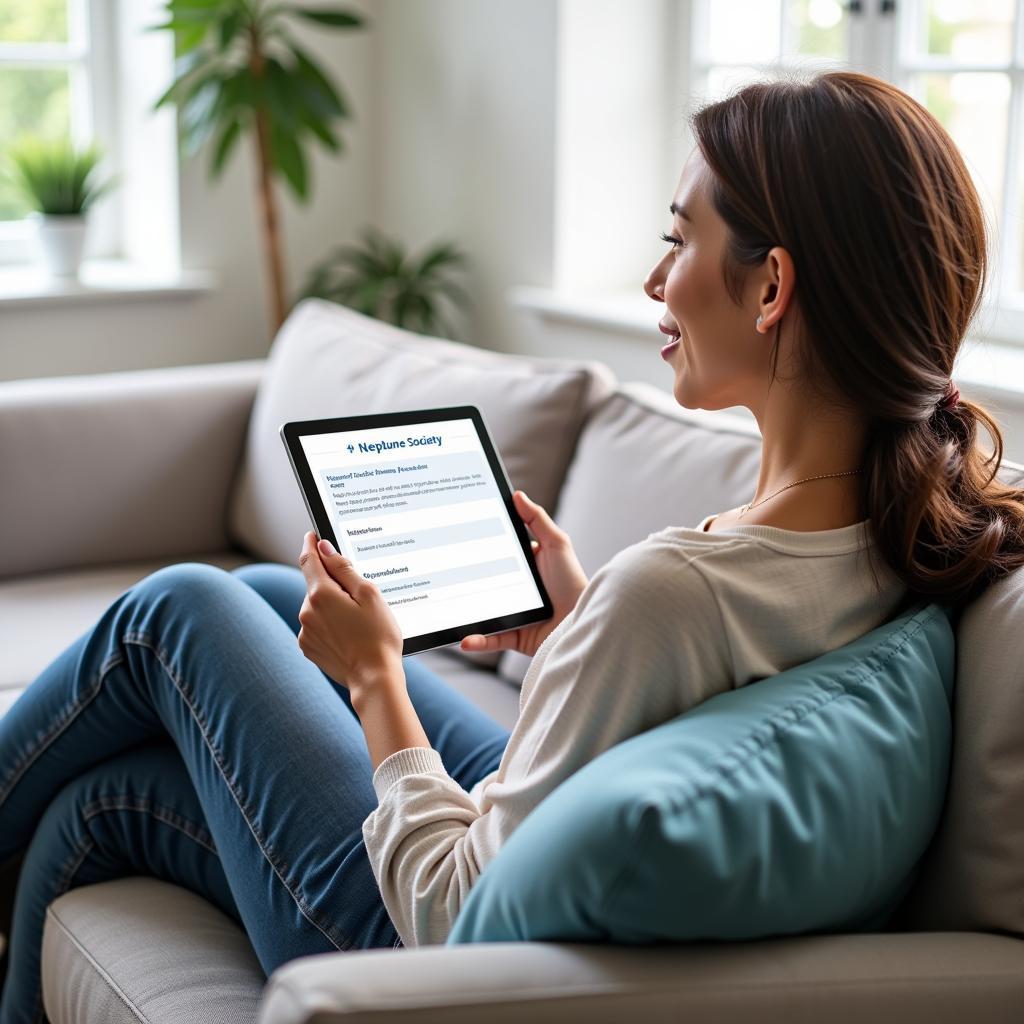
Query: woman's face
[719, 358]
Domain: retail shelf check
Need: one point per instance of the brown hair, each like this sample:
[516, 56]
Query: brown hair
[871, 198]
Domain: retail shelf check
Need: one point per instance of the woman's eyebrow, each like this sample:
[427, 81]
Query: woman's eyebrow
[673, 207]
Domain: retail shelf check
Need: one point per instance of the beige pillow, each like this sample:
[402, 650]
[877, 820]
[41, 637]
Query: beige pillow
[328, 360]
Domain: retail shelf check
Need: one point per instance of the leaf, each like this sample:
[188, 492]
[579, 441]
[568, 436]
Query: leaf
[227, 139]
[288, 158]
[319, 129]
[318, 84]
[189, 38]
[240, 90]
[198, 119]
[177, 5]
[55, 177]
[229, 29]
[441, 254]
[454, 292]
[184, 66]
[394, 256]
[279, 92]
[334, 19]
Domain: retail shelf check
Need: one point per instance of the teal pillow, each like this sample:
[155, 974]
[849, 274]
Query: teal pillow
[801, 802]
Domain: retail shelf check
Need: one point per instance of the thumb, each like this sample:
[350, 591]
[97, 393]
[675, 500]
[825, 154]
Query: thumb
[480, 642]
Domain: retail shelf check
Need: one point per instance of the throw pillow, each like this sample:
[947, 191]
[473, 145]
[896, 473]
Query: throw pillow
[801, 802]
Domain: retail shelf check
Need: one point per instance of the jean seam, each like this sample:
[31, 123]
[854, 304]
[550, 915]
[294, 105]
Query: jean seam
[129, 802]
[71, 865]
[71, 712]
[144, 640]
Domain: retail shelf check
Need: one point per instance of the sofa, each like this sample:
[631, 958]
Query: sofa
[111, 476]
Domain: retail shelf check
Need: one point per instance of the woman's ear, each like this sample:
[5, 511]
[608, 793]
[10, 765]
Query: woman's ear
[777, 287]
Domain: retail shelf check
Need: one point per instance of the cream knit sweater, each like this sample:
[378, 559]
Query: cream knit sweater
[665, 624]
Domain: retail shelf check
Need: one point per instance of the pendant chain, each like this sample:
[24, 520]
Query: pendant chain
[746, 508]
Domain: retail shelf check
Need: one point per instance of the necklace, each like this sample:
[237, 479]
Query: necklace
[749, 505]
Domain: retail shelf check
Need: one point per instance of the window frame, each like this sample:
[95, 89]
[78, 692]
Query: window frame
[881, 41]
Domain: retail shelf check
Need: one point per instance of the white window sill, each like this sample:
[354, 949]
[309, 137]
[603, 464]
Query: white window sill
[99, 281]
[994, 364]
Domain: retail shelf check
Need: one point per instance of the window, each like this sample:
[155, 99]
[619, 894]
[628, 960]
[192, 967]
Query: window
[962, 59]
[55, 82]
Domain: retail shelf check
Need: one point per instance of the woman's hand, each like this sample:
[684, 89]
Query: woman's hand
[347, 627]
[561, 572]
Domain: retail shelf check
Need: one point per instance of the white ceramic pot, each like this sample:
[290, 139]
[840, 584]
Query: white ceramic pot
[61, 240]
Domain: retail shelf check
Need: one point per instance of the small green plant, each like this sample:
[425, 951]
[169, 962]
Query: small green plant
[379, 279]
[56, 178]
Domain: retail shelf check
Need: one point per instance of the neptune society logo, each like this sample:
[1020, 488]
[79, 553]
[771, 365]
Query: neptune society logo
[351, 449]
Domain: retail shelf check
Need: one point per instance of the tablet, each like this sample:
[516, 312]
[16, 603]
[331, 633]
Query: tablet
[420, 502]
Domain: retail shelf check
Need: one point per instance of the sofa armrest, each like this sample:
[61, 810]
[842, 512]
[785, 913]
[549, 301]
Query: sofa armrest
[114, 467]
[941, 977]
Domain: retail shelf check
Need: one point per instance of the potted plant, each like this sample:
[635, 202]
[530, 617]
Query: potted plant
[59, 181]
[381, 280]
[240, 73]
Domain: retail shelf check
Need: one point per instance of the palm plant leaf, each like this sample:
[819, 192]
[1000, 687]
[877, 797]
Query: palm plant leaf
[227, 138]
[288, 159]
[323, 96]
[335, 18]
[198, 116]
[442, 254]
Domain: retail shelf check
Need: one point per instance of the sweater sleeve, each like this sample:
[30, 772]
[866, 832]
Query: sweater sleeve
[643, 644]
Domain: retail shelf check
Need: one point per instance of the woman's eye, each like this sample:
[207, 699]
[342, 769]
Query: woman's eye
[674, 241]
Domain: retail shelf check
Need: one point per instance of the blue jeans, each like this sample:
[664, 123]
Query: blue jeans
[185, 736]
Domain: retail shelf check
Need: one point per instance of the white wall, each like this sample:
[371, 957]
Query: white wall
[465, 107]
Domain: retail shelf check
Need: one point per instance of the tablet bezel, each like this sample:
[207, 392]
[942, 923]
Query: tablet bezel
[293, 430]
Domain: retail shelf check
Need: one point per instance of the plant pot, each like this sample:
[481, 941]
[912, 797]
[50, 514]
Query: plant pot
[61, 240]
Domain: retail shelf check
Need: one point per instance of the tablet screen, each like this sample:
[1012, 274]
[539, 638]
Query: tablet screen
[418, 510]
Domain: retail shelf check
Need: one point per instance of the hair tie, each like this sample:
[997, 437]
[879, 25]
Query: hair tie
[950, 399]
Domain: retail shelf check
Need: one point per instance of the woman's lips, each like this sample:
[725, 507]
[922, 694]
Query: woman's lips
[671, 346]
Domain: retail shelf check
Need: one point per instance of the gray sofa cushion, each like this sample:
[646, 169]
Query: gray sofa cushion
[328, 360]
[680, 464]
[137, 949]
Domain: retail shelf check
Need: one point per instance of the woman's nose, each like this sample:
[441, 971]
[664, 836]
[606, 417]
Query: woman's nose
[653, 285]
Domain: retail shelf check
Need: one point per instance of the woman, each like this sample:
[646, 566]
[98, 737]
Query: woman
[827, 255]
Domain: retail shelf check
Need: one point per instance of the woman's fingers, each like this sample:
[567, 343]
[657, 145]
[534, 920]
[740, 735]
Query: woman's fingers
[536, 518]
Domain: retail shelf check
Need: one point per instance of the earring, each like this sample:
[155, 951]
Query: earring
[757, 322]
